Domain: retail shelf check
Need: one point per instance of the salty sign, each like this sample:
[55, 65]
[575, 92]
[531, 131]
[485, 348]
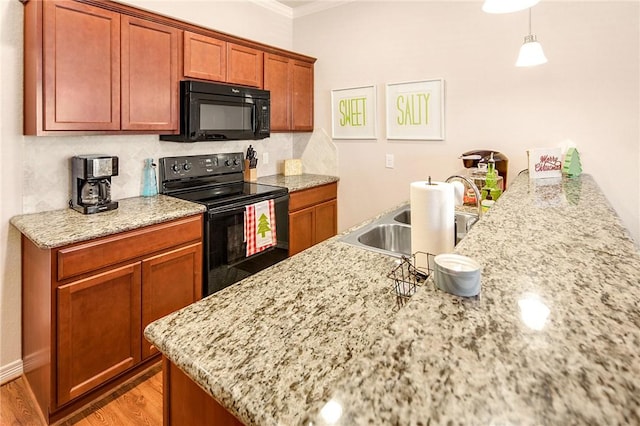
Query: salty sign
[415, 110]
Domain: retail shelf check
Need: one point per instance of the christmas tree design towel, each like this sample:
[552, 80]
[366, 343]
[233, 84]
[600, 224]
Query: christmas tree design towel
[260, 227]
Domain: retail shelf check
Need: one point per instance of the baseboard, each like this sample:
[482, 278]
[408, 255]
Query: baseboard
[11, 371]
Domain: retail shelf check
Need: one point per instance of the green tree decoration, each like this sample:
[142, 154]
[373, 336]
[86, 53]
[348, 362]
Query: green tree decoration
[263, 225]
[572, 166]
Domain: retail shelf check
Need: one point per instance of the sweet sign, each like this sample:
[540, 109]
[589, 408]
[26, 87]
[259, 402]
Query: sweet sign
[545, 163]
[354, 113]
[415, 110]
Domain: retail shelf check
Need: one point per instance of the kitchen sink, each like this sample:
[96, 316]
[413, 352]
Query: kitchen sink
[388, 237]
[391, 233]
[404, 216]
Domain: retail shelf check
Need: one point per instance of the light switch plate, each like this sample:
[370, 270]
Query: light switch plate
[389, 161]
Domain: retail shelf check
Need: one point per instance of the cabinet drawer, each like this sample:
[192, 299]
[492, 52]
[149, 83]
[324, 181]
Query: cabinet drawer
[96, 254]
[308, 197]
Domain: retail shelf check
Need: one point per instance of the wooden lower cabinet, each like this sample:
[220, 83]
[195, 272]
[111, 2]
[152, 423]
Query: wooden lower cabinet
[185, 403]
[160, 294]
[85, 307]
[98, 329]
[313, 216]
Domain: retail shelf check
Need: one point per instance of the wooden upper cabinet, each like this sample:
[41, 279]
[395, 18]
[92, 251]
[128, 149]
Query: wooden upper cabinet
[302, 95]
[204, 57]
[149, 75]
[277, 80]
[81, 86]
[114, 70]
[244, 65]
[291, 84]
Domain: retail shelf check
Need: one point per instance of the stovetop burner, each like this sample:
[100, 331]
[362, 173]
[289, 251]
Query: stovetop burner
[213, 180]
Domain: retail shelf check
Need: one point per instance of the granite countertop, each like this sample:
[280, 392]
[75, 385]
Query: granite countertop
[58, 228]
[553, 337]
[297, 182]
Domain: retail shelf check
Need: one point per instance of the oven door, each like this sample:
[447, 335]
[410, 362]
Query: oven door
[225, 260]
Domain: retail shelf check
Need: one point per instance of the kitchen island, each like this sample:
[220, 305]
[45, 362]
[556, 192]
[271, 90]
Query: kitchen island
[553, 337]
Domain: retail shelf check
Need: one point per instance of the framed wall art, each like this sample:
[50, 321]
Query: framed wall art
[353, 113]
[415, 110]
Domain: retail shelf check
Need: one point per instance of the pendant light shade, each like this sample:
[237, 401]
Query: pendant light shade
[507, 6]
[531, 53]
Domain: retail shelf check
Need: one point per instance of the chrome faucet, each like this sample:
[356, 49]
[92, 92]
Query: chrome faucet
[475, 190]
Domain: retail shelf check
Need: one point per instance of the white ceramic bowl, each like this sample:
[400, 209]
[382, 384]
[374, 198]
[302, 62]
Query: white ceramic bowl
[457, 274]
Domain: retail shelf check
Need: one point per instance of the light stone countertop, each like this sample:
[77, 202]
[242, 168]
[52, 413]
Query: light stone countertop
[322, 329]
[58, 228]
[297, 182]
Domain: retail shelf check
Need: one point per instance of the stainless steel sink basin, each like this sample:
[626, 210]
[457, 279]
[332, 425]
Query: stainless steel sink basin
[391, 233]
[388, 237]
[404, 216]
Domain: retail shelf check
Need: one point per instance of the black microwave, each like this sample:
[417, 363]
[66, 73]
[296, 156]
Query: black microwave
[219, 112]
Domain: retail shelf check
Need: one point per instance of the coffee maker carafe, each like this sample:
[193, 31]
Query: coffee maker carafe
[91, 183]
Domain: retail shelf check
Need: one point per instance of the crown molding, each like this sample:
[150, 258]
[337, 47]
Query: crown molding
[275, 6]
[318, 6]
[307, 9]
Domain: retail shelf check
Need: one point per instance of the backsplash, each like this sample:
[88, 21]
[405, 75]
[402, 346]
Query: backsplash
[47, 182]
[318, 152]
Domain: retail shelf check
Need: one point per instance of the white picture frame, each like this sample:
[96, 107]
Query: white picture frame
[415, 110]
[353, 113]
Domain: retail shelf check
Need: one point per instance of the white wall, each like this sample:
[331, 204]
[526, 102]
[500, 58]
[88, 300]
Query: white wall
[588, 92]
[34, 172]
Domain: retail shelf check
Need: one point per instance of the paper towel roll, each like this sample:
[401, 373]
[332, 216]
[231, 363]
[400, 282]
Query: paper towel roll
[432, 219]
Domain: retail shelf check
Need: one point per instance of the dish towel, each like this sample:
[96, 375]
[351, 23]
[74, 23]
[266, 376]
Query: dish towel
[260, 227]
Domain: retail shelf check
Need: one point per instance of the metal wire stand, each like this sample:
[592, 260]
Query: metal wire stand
[407, 276]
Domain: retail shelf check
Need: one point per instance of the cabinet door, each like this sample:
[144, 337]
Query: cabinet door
[276, 80]
[98, 330]
[301, 230]
[149, 75]
[81, 67]
[244, 65]
[326, 220]
[204, 57]
[170, 281]
[302, 95]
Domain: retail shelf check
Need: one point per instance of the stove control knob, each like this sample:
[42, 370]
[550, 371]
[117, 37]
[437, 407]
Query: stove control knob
[187, 166]
[227, 163]
[175, 168]
[235, 162]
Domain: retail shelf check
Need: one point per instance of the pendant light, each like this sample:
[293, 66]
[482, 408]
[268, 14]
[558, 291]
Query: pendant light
[507, 6]
[531, 53]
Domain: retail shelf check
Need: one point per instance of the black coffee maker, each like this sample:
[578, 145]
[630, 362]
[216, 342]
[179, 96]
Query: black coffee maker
[91, 183]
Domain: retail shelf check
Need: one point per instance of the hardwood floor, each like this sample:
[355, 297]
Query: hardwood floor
[136, 403]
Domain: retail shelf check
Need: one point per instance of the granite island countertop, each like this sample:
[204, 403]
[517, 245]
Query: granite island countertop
[61, 227]
[553, 337]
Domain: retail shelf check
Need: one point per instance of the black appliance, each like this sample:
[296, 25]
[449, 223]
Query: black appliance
[212, 112]
[216, 180]
[91, 183]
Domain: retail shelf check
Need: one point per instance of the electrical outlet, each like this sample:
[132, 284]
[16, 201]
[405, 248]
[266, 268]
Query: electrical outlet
[389, 161]
[265, 158]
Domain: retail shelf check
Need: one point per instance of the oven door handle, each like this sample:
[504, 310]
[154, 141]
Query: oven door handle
[243, 204]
